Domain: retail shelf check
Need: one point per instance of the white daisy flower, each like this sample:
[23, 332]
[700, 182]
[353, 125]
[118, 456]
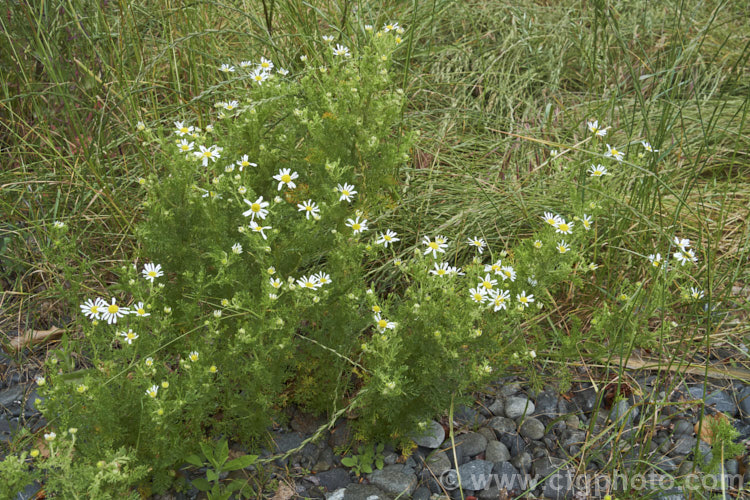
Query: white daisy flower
[357, 225]
[227, 68]
[436, 246]
[655, 259]
[495, 268]
[328, 38]
[524, 299]
[487, 282]
[139, 310]
[265, 64]
[282, 71]
[479, 243]
[151, 391]
[562, 247]
[185, 146]
[593, 266]
[183, 129]
[58, 224]
[508, 273]
[613, 152]
[647, 146]
[537, 244]
[441, 269]
[478, 295]
[340, 50]
[128, 336]
[259, 229]
[92, 309]
[682, 243]
[149, 362]
[49, 436]
[697, 293]
[112, 312]
[586, 221]
[387, 238]
[231, 105]
[152, 271]
[140, 126]
[275, 282]
[245, 64]
[597, 170]
[309, 207]
[563, 227]
[286, 177]
[347, 191]
[456, 270]
[208, 153]
[551, 219]
[259, 76]
[193, 356]
[237, 249]
[308, 282]
[323, 278]
[594, 128]
[383, 324]
[390, 27]
[257, 207]
[499, 299]
[368, 27]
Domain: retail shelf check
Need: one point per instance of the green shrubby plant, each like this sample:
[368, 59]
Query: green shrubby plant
[265, 226]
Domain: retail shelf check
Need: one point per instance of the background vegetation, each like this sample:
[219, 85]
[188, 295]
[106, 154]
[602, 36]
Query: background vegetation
[493, 88]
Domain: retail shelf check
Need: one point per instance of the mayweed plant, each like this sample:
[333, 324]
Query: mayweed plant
[260, 231]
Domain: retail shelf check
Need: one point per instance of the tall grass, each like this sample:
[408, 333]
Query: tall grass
[494, 86]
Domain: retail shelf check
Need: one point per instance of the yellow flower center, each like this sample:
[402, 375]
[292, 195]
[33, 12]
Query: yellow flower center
[95, 309]
[185, 147]
[286, 178]
[309, 208]
[141, 311]
[440, 272]
[310, 284]
[507, 273]
[131, 336]
[112, 309]
[207, 154]
[152, 274]
[487, 284]
[564, 227]
[523, 300]
[478, 297]
[376, 309]
[345, 192]
[356, 227]
[258, 78]
[255, 207]
[382, 323]
[656, 263]
[258, 228]
[264, 65]
[245, 163]
[433, 245]
[184, 130]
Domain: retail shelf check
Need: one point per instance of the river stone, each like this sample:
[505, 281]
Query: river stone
[497, 452]
[532, 428]
[431, 437]
[475, 474]
[498, 408]
[545, 466]
[516, 406]
[502, 425]
[356, 491]
[468, 416]
[421, 493]
[13, 396]
[622, 411]
[522, 462]
[585, 399]
[546, 405]
[510, 389]
[472, 443]
[507, 477]
[682, 445]
[438, 462]
[559, 485]
[394, 481]
[744, 402]
[488, 434]
[682, 428]
[333, 479]
[722, 402]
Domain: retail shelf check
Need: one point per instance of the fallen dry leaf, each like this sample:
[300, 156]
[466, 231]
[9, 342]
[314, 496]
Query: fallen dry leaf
[705, 430]
[35, 337]
[284, 492]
